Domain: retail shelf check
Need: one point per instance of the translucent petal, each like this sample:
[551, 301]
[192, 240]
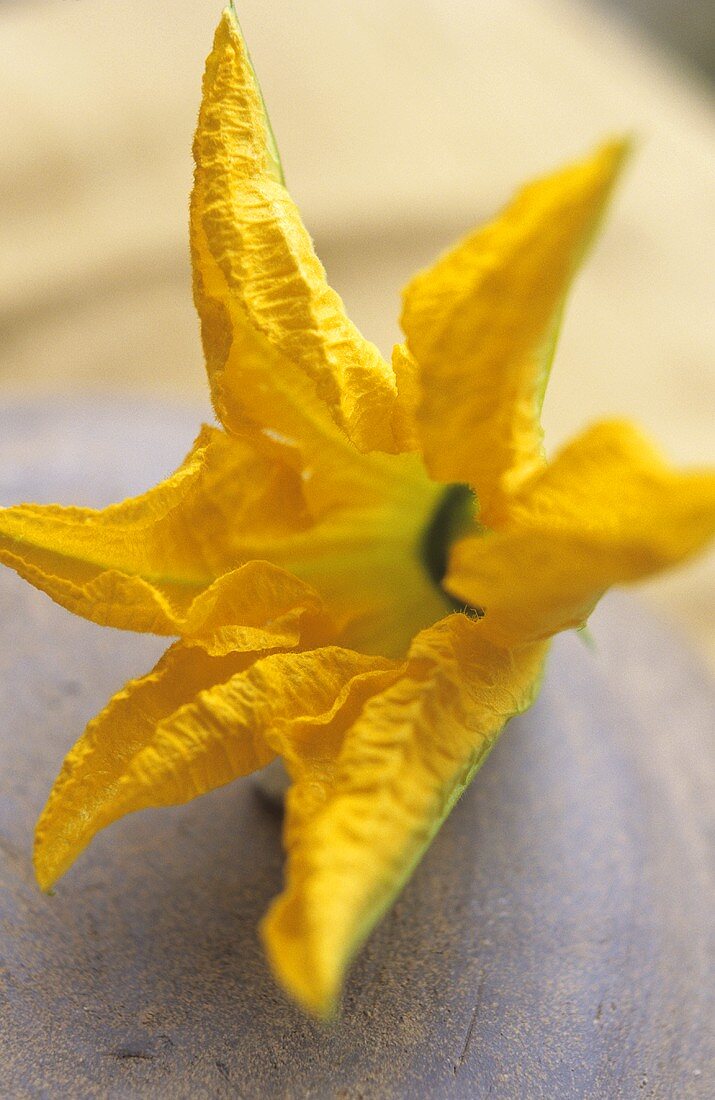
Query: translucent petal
[608, 510]
[482, 326]
[368, 798]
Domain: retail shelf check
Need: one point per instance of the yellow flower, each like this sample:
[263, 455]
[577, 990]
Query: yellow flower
[364, 564]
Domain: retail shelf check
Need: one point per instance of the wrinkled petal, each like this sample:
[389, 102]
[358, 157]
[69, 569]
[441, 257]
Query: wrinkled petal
[256, 607]
[235, 552]
[369, 798]
[193, 724]
[280, 351]
[169, 561]
[608, 510]
[482, 325]
[84, 796]
[404, 414]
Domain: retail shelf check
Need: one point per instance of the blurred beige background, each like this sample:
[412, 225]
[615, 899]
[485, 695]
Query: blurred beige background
[401, 124]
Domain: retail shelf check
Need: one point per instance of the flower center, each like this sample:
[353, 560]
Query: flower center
[379, 565]
[453, 517]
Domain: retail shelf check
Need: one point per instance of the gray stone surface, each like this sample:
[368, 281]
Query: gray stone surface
[555, 941]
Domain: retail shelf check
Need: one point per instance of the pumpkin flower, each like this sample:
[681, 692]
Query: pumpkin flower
[363, 565]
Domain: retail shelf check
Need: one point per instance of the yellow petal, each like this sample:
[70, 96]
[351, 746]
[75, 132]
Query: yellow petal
[258, 607]
[367, 802]
[237, 550]
[86, 795]
[608, 510]
[482, 325]
[194, 723]
[152, 563]
[280, 351]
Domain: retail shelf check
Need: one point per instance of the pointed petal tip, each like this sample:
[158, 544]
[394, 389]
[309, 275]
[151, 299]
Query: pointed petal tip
[616, 148]
[47, 873]
[609, 159]
[297, 971]
[55, 849]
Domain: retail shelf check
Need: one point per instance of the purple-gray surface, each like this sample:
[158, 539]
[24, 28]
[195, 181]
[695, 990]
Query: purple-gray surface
[555, 942]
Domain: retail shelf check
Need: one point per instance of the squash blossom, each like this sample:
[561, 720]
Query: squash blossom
[365, 562]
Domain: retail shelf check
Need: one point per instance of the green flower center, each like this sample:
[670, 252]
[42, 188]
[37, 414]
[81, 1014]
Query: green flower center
[454, 516]
[379, 566]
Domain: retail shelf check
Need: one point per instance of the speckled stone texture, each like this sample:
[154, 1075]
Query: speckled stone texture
[555, 941]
